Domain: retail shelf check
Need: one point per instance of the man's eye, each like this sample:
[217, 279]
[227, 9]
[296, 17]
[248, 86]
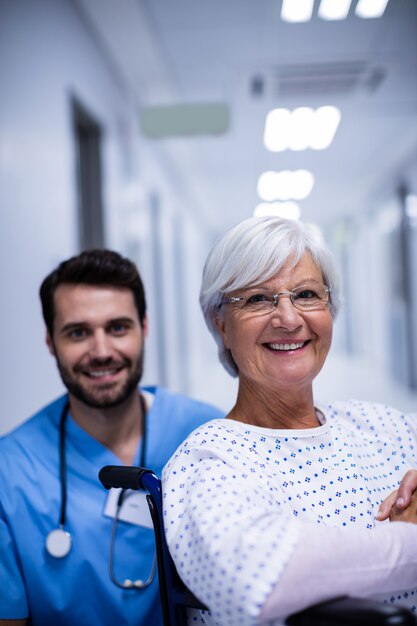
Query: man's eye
[118, 329]
[77, 333]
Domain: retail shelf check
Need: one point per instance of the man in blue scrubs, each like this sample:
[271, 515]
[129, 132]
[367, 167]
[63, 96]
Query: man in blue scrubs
[95, 313]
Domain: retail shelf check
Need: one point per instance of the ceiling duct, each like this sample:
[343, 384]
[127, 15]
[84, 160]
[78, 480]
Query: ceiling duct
[319, 78]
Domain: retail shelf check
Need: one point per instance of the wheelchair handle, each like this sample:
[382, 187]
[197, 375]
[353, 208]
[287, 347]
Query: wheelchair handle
[123, 476]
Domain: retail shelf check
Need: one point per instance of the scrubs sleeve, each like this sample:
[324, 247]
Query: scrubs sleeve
[13, 600]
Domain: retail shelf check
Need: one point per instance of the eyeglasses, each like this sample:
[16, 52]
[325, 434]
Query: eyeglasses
[261, 302]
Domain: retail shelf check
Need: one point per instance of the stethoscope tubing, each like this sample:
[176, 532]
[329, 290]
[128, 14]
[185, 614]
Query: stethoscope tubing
[58, 541]
[63, 464]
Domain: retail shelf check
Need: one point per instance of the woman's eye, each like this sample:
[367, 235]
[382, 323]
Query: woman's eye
[306, 294]
[257, 299]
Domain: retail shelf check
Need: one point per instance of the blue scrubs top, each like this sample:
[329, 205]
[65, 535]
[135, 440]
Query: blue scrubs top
[77, 589]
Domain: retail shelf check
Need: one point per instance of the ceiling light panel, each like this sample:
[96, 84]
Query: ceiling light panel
[370, 8]
[323, 130]
[334, 9]
[285, 185]
[297, 10]
[301, 128]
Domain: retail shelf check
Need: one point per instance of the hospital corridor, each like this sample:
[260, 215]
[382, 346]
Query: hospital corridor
[207, 209]
[150, 127]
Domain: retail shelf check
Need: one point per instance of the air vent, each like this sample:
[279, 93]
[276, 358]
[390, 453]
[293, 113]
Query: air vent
[319, 78]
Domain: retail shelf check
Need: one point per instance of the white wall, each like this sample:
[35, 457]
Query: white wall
[374, 322]
[47, 55]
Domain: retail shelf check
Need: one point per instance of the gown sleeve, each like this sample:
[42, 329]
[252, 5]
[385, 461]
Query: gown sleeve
[228, 547]
[333, 562]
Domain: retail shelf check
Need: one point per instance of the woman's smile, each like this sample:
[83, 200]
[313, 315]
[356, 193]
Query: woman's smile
[286, 347]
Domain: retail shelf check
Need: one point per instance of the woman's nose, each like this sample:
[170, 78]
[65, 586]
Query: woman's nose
[285, 313]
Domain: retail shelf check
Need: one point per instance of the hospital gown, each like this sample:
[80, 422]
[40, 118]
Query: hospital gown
[238, 498]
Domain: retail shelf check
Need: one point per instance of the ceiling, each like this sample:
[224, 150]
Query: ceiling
[241, 53]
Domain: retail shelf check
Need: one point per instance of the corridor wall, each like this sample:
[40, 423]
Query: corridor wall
[48, 56]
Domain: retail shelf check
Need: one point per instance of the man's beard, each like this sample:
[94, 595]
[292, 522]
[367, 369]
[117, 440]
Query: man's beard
[104, 398]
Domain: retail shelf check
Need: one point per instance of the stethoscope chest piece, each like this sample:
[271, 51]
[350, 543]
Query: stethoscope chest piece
[58, 543]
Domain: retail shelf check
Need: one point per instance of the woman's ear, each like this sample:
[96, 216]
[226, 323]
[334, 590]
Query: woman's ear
[219, 320]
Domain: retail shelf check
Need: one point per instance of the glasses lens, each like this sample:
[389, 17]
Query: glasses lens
[258, 303]
[304, 298]
[310, 297]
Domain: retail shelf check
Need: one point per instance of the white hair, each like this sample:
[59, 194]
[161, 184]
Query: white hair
[252, 252]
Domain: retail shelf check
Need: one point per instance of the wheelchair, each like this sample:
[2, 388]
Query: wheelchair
[176, 598]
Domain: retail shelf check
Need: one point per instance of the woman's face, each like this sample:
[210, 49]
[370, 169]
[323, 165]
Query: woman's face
[286, 347]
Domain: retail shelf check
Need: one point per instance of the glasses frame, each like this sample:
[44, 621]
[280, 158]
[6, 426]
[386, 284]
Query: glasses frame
[291, 294]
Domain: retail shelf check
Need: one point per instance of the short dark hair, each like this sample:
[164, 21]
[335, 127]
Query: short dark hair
[92, 267]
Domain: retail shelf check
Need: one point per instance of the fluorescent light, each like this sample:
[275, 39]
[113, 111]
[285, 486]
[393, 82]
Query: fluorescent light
[294, 11]
[285, 185]
[297, 10]
[326, 122]
[277, 130]
[302, 120]
[334, 9]
[301, 128]
[267, 186]
[370, 8]
[287, 210]
[302, 184]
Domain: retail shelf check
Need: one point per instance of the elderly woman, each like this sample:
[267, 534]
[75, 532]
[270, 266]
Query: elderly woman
[273, 509]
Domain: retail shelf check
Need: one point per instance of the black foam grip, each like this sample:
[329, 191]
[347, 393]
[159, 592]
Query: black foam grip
[122, 476]
[347, 611]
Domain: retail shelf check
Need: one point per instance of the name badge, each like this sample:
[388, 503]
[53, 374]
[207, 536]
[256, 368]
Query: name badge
[134, 509]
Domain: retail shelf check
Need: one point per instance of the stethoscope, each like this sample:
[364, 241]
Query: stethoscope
[58, 542]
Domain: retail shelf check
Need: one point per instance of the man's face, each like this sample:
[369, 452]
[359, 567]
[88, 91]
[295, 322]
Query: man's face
[98, 343]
